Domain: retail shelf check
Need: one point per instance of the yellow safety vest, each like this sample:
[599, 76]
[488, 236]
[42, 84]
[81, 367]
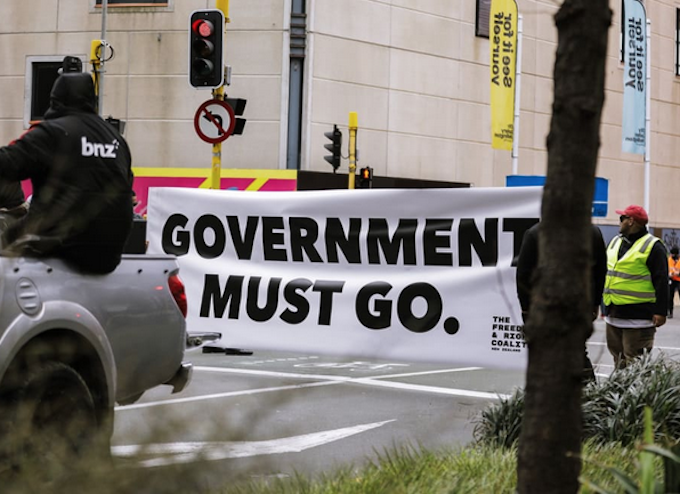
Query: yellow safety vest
[628, 279]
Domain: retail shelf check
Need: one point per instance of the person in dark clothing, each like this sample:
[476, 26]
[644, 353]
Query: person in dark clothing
[526, 265]
[80, 169]
[11, 195]
[12, 203]
[12, 199]
[636, 287]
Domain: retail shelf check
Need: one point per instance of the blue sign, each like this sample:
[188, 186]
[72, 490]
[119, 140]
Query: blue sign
[600, 198]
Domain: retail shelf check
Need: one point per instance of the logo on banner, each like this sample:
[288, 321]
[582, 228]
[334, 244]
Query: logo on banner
[505, 336]
[634, 77]
[503, 43]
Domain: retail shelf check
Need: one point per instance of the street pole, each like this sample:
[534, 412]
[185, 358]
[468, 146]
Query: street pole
[100, 75]
[648, 127]
[218, 94]
[518, 92]
[353, 126]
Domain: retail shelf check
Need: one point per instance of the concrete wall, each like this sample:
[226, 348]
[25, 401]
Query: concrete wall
[413, 70]
[146, 83]
[417, 76]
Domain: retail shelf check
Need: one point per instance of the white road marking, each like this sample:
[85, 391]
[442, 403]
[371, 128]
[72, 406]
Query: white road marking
[432, 389]
[671, 348]
[326, 380]
[223, 395]
[426, 373]
[186, 452]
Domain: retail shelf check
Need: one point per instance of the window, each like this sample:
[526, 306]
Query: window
[482, 18]
[41, 72]
[134, 3]
[677, 41]
[622, 33]
[128, 6]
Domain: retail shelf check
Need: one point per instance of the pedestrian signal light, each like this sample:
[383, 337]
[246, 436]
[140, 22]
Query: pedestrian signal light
[206, 49]
[334, 147]
[366, 178]
[239, 106]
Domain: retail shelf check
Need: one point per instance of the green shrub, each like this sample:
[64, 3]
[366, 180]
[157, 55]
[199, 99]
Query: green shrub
[500, 423]
[646, 479]
[612, 408]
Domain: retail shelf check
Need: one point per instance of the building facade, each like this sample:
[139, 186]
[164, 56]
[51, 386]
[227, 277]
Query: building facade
[415, 71]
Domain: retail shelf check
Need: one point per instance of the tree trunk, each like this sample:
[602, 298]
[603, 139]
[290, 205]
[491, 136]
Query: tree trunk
[561, 315]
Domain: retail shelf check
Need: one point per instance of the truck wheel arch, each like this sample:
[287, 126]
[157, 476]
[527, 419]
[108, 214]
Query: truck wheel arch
[51, 420]
[74, 350]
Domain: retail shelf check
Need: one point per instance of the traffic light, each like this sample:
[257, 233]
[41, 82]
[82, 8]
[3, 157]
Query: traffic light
[206, 49]
[366, 178]
[334, 147]
[238, 105]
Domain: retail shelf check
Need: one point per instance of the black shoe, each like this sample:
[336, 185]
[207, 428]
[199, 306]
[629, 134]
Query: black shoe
[670, 316]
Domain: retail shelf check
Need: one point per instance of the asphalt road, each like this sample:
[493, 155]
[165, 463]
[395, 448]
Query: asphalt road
[272, 414]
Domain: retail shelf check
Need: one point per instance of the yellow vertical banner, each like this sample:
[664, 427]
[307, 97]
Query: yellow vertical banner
[503, 62]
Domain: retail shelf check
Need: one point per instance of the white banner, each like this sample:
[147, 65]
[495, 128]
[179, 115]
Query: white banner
[408, 274]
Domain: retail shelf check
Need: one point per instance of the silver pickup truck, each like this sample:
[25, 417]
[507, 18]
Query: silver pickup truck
[73, 345]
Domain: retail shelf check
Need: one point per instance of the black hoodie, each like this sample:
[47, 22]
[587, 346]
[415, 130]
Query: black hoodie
[80, 168]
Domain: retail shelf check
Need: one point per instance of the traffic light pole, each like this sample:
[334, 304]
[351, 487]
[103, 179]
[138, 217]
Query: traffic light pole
[218, 93]
[353, 125]
[216, 170]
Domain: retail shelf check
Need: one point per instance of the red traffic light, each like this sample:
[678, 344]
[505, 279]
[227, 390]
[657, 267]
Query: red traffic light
[365, 173]
[206, 49]
[203, 27]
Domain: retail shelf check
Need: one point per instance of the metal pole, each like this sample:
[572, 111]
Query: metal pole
[648, 135]
[518, 89]
[353, 126]
[216, 169]
[100, 79]
[218, 93]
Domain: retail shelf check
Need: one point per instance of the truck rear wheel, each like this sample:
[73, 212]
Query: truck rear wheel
[52, 422]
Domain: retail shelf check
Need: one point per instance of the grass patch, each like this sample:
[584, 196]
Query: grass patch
[481, 469]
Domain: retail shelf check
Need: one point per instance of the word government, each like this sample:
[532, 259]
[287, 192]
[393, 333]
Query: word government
[363, 240]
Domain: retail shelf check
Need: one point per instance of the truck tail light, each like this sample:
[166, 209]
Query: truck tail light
[178, 293]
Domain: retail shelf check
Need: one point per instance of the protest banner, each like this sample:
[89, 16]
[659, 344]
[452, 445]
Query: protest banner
[406, 274]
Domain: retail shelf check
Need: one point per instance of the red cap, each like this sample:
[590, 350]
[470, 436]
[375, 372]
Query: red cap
[638, 213]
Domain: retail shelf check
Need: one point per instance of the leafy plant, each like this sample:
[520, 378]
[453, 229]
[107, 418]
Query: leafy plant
[612, 408]
[501, 423]
[645, 482]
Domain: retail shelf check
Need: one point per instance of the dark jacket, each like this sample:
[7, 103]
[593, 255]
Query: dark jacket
[528, 260]
[11, 195]
[657, 263]
[80, 168]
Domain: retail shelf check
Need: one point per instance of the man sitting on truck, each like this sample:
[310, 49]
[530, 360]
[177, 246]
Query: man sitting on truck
[80, 169]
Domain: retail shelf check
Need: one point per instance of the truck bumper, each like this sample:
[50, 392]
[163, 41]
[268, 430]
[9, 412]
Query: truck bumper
[182, 377]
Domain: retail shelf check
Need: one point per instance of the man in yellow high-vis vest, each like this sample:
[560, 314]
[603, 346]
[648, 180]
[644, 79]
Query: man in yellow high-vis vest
[636, 287]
